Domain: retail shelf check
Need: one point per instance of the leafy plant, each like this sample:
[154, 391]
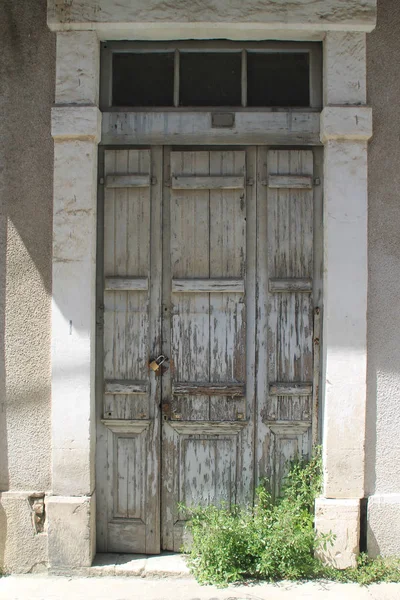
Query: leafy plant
[368, 571]
[273, 540]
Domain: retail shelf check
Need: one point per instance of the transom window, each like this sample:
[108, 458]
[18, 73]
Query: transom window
[220, 74]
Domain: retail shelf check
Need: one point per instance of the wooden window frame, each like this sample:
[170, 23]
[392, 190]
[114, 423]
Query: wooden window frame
[313, 49]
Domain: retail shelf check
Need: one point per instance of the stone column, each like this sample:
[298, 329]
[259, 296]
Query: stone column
[76, 129]
[346, 126]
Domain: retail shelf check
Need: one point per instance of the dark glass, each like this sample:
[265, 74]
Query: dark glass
[278, 79]
[143, 79]
[210, 79]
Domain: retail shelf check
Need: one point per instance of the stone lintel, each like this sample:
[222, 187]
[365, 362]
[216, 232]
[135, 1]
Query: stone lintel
[71, 530]
[76, 123]
[352, 123]
[342, 519]
[272, 14]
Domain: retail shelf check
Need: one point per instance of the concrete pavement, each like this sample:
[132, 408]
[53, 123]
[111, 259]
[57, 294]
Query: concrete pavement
[45, 587]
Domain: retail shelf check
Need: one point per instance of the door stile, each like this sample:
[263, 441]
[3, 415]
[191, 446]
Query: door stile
[101, 431]
[167, 458]
[246, 478]
[263, 434]
[318, 295]
[153, 533]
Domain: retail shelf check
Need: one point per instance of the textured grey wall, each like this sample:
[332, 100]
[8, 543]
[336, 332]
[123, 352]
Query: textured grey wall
[383, 413]
[27, 68]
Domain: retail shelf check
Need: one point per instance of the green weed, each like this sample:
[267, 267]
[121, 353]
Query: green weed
[274, 540]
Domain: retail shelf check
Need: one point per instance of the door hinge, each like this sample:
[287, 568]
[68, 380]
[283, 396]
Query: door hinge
[317, 181]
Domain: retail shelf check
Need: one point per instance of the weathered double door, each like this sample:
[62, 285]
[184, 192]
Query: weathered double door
[209, 263]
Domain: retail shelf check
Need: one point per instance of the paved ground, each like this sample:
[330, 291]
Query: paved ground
[43, 587]
[166, 577]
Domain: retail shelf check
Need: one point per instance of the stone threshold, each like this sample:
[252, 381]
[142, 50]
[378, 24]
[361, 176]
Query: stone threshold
[166, 564]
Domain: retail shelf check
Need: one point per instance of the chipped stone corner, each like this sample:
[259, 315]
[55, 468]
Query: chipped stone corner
[23, 532]
[38, 507]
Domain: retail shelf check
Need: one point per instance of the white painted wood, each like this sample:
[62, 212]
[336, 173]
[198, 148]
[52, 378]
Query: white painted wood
[126, 426]
[208, 285]
[290, 310]
[259, 127]
[290, 285]
[316, 375]
[208, 389]
[131, 284]
[207, 183]
[294, 389]
[127, 181]
[207, 427]
[125, 387]
[129, 506]
[287, 427]
[207, 237]
[298, 182]
[212, 320]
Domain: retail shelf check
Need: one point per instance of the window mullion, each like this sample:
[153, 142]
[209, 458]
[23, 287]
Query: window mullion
[176, 78]
[244, 78]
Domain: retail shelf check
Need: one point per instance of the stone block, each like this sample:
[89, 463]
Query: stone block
[383, 525]
[346, 123]
[345, 73]
[78, 65]
[342, 518]
[71, 531]
[23, 544]
[76, 122]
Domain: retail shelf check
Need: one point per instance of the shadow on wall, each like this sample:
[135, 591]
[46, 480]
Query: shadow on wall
[4, 478]
[383, 414]
[27, 63]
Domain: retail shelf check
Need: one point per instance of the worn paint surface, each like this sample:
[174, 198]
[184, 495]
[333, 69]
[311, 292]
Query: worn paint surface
[231, 324]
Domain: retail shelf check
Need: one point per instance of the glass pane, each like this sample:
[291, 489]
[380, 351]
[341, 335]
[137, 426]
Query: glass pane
[143, 79]
[278, 79]
[210, 79]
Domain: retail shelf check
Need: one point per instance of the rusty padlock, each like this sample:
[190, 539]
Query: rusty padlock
[157, 362]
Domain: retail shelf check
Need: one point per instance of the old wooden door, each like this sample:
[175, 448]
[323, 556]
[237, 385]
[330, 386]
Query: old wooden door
[208, 261]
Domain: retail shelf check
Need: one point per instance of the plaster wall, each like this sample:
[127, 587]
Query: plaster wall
[383, 383]
[27, 66]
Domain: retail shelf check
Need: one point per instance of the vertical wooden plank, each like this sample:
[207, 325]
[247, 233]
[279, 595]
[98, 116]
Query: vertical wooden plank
[263, 433]
[153, 445]
[227, 259]
[190, 313]
[246, 475]
[168, 453]
[290, 316]
[126, 351]
[101, 431]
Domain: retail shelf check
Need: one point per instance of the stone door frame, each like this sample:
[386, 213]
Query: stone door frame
[344, 128]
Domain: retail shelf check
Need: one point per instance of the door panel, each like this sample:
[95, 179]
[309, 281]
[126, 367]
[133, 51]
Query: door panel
[206, 305]
[128, 436]
[289, 310]
[209, 258]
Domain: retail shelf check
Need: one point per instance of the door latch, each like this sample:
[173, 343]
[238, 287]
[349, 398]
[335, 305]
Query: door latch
[156, 363]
